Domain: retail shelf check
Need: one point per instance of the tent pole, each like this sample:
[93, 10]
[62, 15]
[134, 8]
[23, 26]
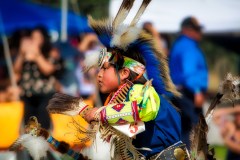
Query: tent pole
[64, 11]
[7, 54]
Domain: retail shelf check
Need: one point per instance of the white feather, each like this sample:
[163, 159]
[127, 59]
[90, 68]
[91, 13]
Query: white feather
[120, 18]
[124, 36]
[91, 58]
[37, 146]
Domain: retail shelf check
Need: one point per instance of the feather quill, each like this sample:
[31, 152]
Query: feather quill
[140, 12]
[125, 35]
[212, 106]
[122, 12]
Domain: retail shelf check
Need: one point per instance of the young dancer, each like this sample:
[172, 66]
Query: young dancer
[136, 119]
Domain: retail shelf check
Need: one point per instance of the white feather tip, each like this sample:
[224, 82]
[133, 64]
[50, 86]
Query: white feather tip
[37, 146]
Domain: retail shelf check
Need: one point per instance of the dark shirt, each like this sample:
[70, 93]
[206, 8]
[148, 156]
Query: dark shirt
[35, 83]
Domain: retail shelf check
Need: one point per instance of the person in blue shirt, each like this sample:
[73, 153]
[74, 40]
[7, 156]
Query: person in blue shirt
[188, 70]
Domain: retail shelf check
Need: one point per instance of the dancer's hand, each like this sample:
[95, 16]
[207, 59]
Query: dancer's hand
[91, 115]
[13, 93]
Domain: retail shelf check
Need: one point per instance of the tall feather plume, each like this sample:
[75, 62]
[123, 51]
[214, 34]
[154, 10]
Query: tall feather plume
[156, 65]
[65, 104]
[103, 29]
[122, 12]
[124, 35]
[140, 12]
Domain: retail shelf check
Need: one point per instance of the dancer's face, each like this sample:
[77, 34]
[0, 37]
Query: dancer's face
[107, 78]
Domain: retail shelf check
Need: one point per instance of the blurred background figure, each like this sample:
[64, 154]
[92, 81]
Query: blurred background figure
[148, 27]
[189, 73]
[8, 92]
[35, 66]
[87, 46]
[228, 121]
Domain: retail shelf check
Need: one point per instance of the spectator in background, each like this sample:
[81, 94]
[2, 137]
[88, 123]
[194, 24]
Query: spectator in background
[87, 46]
[228, 121]
[148, 27]
[14, 43]
[189, 73]
[16, 39]
[35, 64]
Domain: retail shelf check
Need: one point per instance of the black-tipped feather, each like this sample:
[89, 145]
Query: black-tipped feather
[122, 12]
[143, 7]
[214, 103]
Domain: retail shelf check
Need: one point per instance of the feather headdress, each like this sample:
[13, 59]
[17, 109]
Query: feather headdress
[131, 41]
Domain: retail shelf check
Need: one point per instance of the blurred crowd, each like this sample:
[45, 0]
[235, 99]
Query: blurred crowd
[228, 121]
[43, 68]
[40, 70]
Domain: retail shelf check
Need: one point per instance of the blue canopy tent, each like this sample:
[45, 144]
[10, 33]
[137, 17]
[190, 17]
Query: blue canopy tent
[19, 14]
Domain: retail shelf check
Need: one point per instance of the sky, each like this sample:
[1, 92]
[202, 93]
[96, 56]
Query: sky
[166, 15]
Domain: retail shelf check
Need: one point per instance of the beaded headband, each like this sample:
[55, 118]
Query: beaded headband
[129, 63]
